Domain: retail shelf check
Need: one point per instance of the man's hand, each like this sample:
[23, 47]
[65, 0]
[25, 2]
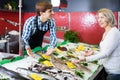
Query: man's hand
[49, 51]
[88, 53]
[29, 52]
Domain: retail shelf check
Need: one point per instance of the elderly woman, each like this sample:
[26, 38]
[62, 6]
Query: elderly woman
[109, 45]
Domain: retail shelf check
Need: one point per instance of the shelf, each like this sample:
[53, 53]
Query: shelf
[9, 5]
[9, 10]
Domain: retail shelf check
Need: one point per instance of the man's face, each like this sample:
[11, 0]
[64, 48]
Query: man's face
[48, 13]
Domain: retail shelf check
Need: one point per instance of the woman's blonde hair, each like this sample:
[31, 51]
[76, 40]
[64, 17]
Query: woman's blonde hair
[109, 16]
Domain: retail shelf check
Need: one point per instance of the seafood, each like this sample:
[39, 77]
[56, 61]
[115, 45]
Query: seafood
[62, 48]
[12, 74]
[27, 73]
[58, 74]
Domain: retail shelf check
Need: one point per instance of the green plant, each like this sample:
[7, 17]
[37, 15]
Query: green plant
[41, 60]
[71, 36]
[84, 63]
[79, 73]
[14, 5]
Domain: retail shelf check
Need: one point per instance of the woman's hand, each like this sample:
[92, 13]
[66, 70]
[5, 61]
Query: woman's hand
[29, 52]
[49, 51]
[88, 53]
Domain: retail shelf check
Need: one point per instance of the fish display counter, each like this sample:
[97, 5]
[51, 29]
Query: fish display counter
[57, 66]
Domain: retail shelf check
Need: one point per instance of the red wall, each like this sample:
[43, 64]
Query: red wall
[13, 16]
[83, 22]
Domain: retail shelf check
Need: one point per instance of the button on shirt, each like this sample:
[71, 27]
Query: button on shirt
[30, 28]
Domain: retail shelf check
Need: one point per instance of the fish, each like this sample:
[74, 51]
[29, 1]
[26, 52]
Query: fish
[27, 72]
[12, 74]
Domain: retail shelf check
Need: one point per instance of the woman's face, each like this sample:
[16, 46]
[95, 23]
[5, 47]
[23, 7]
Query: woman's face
[102, 20]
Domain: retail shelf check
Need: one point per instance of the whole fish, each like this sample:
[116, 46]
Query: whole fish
[27, 72]
[12, 74]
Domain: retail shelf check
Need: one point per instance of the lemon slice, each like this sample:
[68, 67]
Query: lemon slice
[70, 65]
[45, 56]
[47, 63]
[35, 76]
[58, 51]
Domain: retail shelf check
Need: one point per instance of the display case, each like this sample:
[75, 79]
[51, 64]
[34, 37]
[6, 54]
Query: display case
[59, 65]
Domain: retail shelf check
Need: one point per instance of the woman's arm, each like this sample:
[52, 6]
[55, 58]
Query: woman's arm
[107, 46]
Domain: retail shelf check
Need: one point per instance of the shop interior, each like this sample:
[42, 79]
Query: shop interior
[73, 18]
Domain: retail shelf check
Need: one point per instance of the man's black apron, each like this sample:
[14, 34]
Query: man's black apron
[37, 38]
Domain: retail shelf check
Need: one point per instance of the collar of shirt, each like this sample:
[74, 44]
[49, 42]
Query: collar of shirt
[42, 26]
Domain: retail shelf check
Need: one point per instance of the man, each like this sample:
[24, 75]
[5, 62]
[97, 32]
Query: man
[35, 28]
